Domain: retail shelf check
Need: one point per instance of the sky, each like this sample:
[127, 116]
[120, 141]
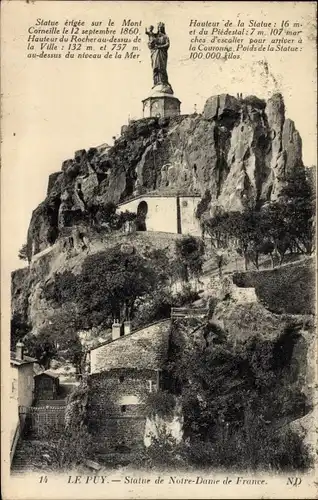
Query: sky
[51, 108]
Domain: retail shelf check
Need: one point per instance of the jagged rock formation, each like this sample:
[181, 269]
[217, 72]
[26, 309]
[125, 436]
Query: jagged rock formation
[238, 149]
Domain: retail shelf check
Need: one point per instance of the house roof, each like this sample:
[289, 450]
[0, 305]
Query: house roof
[19, 362]
[110, 340]
[48, 373]
[146, 348]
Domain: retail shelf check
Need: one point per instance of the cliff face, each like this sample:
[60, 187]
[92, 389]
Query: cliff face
[237, 149]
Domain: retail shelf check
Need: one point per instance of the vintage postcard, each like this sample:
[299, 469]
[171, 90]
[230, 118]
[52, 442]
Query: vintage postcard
[158, 250]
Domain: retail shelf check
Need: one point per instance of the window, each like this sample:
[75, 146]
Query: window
[121, 379]
[123, 409]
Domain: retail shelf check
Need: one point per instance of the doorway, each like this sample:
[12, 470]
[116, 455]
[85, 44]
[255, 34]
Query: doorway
[142, 211]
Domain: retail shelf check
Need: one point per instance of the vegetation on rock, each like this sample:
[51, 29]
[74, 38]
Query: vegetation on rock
[286, 225]
[23, 252]
[237, 395]
[241, 393]
[189, 256]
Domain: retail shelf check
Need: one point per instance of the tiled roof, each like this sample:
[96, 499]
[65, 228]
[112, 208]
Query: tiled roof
[18, 362]
[146, 348]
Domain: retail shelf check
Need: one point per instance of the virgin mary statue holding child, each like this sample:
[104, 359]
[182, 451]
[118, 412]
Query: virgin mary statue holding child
[159, 44]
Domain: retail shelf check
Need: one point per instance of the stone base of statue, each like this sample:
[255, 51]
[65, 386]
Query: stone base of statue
[161, 103]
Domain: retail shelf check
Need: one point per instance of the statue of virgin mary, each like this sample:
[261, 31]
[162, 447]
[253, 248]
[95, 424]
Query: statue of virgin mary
[159, 44]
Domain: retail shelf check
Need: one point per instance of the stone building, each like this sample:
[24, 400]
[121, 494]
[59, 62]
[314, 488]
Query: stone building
[124, 370]
[22, 391]
[46, 385]
[165, 213]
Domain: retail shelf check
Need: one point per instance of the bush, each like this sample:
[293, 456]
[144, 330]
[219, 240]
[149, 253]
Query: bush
[185, 297]
[163, 453]
[69, 449]
[256, 446]
[161, 403]
[189, 253]
[236, 395]
[153, 308]
[158, 305]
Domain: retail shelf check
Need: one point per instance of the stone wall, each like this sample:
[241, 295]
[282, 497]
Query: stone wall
[119, 432]
[286, 289]
[111, 415]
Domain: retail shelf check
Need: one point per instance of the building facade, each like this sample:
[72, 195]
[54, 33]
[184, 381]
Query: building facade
[22, 390]
[165, 213]
[46, 385]
[124, 371]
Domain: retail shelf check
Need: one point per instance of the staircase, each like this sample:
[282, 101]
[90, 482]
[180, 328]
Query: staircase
[21, 460]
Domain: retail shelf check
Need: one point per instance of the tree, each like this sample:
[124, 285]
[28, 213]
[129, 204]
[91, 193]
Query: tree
[108, 215]
[246, 229]
[163, 264]
[221, 260]
[42, 347]
[59, 335]
[268, 248]
[110, 282]
[189, 252]
[23, 252]
[219, 228]
[62, 289]
[19, 329]
[297, 201]
[236, 393]
[73, 349]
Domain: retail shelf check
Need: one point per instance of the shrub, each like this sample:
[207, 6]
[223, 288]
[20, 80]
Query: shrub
[161, 403]
[163, 453]
[69, 449]
[255, 446]
[23, 252]
[185, 297]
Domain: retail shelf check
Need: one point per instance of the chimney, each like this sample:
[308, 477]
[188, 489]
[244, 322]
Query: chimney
[116, 329]
[19, 351]
[127, 327]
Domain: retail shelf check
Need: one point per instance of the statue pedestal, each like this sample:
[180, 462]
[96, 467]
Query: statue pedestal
[160, 104]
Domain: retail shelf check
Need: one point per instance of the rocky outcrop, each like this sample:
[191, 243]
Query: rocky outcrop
[220, 106]
[28, 302]
[239, 149]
